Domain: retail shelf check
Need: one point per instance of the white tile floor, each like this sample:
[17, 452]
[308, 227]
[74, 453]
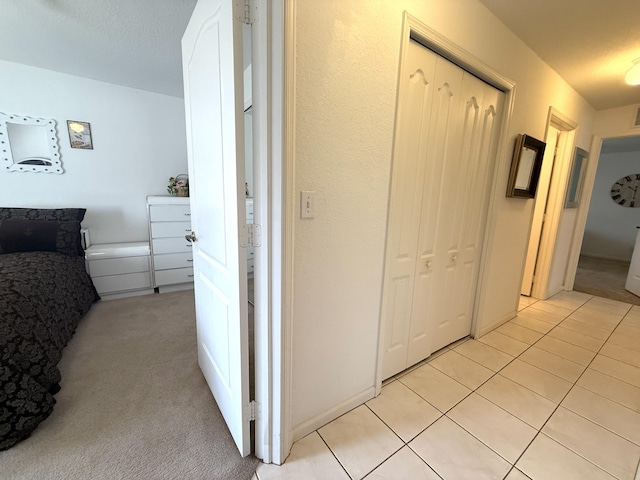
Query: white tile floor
[552, 394]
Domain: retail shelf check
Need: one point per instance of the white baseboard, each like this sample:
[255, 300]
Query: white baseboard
[606, 257]
[134, 293]
[486, 329]
[175, 288]
[318, 421]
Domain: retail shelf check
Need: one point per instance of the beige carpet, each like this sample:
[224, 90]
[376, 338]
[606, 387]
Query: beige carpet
[604, 278]
[133, 403]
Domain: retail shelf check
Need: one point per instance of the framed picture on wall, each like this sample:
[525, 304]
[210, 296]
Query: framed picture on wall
[80, 134]
[525, 167]
[576, 178]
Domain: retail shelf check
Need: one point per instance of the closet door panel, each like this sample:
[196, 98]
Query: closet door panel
[465, 224]
[445, 145]
[441, 147]
[414, 114]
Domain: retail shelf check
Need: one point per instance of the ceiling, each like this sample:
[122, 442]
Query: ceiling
[590, 43]
[136, 43]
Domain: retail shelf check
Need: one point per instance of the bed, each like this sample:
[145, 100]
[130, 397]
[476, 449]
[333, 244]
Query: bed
[44, 292]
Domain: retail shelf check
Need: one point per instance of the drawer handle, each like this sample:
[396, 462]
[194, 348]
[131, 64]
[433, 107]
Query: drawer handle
[190, 275]
[190, 260]
[187, 214]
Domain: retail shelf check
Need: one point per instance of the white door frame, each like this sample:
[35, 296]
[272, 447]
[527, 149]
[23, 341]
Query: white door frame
[583, 210]
[272, 442]
[412, 27]
[555, 205]
[539, 207]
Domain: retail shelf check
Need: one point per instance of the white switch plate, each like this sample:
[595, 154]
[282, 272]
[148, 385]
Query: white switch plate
[307, 200]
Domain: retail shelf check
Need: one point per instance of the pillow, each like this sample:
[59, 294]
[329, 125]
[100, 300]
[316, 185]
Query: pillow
[28, 235]
[68, 238]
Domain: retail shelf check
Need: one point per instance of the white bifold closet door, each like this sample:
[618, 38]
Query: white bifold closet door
[447, 128]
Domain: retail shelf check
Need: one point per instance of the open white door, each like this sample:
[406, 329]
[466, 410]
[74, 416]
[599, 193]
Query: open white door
[539, 210]
[212, 67]
[633, 278]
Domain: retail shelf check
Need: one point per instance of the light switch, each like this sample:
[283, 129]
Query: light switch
[307, 204]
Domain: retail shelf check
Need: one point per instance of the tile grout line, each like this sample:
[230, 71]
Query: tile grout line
[332, 452]
[494, 373]
[513, 465]
[565, 396]
[405, 444]
[539, 430]
[573, 383]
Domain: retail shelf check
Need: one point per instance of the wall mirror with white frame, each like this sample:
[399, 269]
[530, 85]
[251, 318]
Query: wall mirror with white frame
[29, 144]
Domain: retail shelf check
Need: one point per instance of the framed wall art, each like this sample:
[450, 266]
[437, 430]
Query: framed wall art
[525, 167]
[576, 178]
[80, 134]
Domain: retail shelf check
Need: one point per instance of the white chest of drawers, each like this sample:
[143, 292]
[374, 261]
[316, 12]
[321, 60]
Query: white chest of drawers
[171, 256]
[119, 269]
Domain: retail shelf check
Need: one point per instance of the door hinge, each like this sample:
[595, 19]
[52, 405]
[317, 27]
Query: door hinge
[250, 235]
[251, 411]
[247, 11]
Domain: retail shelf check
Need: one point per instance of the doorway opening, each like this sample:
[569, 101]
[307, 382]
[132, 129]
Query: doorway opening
[541, 278]
[610, 230]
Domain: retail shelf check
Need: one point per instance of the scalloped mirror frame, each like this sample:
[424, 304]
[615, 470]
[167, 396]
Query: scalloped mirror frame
[42, 155]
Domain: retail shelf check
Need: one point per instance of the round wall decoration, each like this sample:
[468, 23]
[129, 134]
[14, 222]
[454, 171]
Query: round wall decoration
[625, 191]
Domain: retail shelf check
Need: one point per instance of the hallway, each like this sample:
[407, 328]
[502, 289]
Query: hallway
[604, 278]
[552, 394]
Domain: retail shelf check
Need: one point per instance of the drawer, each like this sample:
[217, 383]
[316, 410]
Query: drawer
[170, 229]
[171, 245]
[122, 283]
[172, 260]
[116, 250]
[177, 275]
[117, 266]
[169, 213]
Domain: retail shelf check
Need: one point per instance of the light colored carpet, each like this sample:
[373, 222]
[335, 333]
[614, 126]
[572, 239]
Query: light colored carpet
[133, 403]
[604, 278]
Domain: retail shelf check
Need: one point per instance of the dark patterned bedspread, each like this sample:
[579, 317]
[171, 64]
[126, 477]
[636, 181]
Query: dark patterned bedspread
[43, 296]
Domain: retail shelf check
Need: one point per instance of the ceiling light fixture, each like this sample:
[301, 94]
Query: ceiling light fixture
[633, 75]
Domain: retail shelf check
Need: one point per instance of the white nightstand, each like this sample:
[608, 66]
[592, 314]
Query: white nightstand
[120, 269]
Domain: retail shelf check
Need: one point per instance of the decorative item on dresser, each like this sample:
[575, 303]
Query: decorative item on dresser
[171, 254]
[179, 185]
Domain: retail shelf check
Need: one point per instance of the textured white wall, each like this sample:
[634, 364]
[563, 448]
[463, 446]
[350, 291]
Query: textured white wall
[347, 54]
[611, 229]
[138, 143]
[616, 122]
